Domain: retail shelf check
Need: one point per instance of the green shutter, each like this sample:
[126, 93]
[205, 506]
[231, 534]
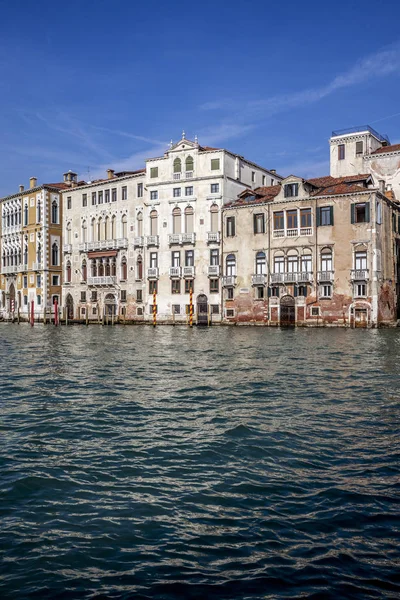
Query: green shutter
[295, 291]
[318, 216]
[398, 223]
[305, 291]
[269, 292]
[352, 213]
[255, 223]
[331, 208]
[367, 211]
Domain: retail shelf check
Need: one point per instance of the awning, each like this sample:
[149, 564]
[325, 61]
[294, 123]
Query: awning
[103, 254]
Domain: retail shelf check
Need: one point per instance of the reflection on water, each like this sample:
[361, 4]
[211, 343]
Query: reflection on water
[205, 463]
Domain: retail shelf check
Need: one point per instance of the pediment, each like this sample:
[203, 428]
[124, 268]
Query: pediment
[183, 145]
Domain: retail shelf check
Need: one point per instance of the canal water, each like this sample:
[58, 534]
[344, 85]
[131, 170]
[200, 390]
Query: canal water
[207, 463]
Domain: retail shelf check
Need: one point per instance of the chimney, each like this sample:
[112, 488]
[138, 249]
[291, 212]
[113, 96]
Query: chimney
[110, 173]
[32, 182]
[272, 171]
[381, 183]
[21, 188]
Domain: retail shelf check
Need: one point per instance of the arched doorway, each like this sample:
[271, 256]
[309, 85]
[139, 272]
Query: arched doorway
[70, 307]
[288, 315]
[11, 304]
[110, 305]
[202, 309]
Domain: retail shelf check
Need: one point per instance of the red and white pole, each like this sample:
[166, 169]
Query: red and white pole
[56, 313]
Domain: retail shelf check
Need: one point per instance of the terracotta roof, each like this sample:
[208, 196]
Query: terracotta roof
[205, 148]
[339, 189]
[262, 195]
[61, 186]
[122, 173]
[393, 148]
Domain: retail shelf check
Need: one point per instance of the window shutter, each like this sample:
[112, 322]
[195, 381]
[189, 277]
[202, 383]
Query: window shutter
[318, 217]
[269, 292]
[305, 288]
[331, 209]
[255, 223]
[367, 212]
[398, 222]
[286, 191]
[352, 213]
[233, 226]
[295, 291]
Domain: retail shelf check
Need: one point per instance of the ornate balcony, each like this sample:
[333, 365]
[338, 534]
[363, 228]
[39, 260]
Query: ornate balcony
[152, 273]
[103, 245]
[152, 240]
[304, 277]
[290, 277]
[175, 272]
[278, 233]
[213, 237]
[213, 270]
[188, 174]
[188, 238]
[276, 277]
[229, 281]
[10, 269]
[67, 248]
[138, 241]
[188, 272]
[107, 280]
[360, 275]
[325, 275]
[37, 266]
[259, 279]
[174, 238]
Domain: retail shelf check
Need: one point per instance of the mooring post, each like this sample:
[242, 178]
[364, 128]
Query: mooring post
[32, 313]
[154, 308]
[191, 308]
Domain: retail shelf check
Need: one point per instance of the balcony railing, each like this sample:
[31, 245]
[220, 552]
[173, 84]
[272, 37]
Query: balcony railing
[181, 238]
[189, 174]
[12, 229]
[175, 272]
[107, 280]
[10, 269]
[174, 238]
[229, 281]
[306, 231]
[138, 241]
[294, 232]
[325, 275]
[188, 272]
[188, 238]
[213, 237]
[213, 270]
[67, 248]
[37, 266]
[103, 245]
[360, 274]
[152, 273]
[276, 277]
[152, 240]
[290, 277]
[259, 279]
[176, 176]
[304, 277]
[278, 233]
[380, 137]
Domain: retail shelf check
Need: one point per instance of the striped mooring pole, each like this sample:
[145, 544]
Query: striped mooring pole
[191, 308]
[154, 308]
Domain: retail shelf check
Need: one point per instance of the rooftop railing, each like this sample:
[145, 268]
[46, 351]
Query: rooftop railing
[379, 136]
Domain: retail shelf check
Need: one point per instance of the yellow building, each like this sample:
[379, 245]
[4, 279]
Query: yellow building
[31, 248]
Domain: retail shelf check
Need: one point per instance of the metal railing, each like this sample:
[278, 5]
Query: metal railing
[379, 136]
[107, 280]
[213, 237]
[213, 270]
[360, 274]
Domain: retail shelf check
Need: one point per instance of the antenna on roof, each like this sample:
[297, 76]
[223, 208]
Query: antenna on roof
[88, 171]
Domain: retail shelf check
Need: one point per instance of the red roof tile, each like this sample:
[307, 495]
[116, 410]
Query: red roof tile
[384, 149]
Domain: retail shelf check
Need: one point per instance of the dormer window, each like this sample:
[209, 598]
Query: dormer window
[291, 190]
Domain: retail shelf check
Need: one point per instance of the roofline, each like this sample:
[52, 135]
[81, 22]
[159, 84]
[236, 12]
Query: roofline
[28, 191]
[284, 200]
[103, 182]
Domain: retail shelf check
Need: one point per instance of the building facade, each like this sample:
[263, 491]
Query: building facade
[323, 251]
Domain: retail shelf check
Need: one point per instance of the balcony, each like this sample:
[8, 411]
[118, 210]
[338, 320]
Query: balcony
[213, 270]
[174, 238]
[304, 277]
[138, 241]
[360, 275]
[176, 176]
[9, 269]
[295, 232]
[174, 272]
[152, 240]
[152, 273]
[279, 233]
[108, 280]
[103, 245]
[306, 230]
[67, 248]
[188, 238]
[259, 279]
[188, 272]
[189, 174]
[292, 232]
[276, 277]
[325, 275]
[37, 266]
[213, 237]
[181, 238]
[229, 281]
[290, 277]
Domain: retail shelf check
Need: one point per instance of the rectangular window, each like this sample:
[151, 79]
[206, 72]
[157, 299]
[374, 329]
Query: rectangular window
[359, 147]
[214, 309]
[83, 296]
[84, 199]
[291, 219]
[305, 217]
[25, 300]
[69, 202]
[260, 293]
[189, 258]
[279, 264]
[153, 260]
[215, 188]
[315, 311]
[140, 190]
[215, 164]
[94, 296]
[253, 176]
[189, 190]
[278, 221]
[55, 280]
[154, 172]
[93, 198]
[263, 180]
[360, 261]
[139, 296]
[175, 258]
[324, 215]
[189, 285]
[175, 286]
[100, 198]
[259, 223]
[214, 257]
[39, 300]
[274, 291]
[152, 286]
[154, 195]
[114, 195]
[302, 290]
[360, 290]
[230, 227]
[123, 295]
[291, 190]
[360, 212]
[176, 309]
[326, 290]
[38, 281]
[176, 192]
[124, 192]
[341, 152]
[25, 285]
[229, 293]
[107, 196]
[214, 286]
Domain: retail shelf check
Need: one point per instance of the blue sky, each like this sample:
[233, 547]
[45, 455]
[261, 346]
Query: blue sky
[90, 85]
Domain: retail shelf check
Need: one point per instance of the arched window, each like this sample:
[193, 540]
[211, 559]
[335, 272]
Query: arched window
[101, 268]
[39, 253]
[260, 263]
[26, 256]
[279, 262]
[326, 259]
[38, 212]
[68, 233]
[68, 272]
[139, 267]
[124, 269]
[189, 219]
[26, 214]
[107, 270]
[106, 228]
[84, 231]
[113, 267]
[292, 261]
[189, 164]
[124, 223]
[54, 212]
[112, 228]
[84, 270]
[230, 265]
[54, 254]
[306, 262]
[177, 165]
[139, 223]
[176, 220]
[214, 218]
[19, 256]
[94, 268]
[93, 230]
[153, 222]
[99, 229]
